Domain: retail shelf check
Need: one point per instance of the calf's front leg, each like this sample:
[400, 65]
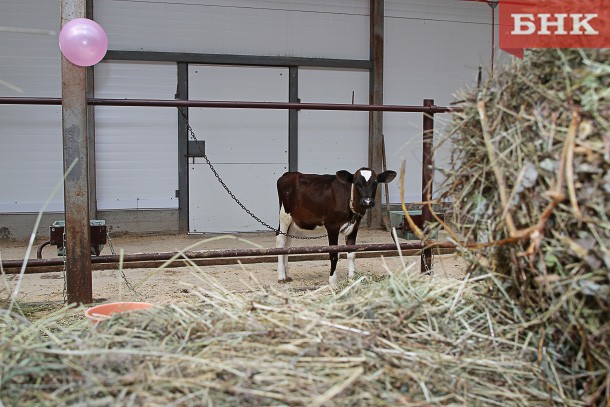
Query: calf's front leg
[351, 256]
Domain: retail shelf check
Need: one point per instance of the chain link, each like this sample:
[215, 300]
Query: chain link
[237, 201]
[120, 269]
[428, 271]
[64, 270]
[127, 283]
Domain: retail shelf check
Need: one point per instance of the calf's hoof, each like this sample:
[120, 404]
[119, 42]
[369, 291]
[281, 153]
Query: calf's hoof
[286, 280]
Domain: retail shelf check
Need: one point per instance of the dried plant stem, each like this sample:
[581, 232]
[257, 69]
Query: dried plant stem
[420, 235]
[412, 225]
[569, 145]
[338, 388]
[535, 232]
[491, 154]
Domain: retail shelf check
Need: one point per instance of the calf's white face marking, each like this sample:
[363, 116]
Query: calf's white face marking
[366, 174]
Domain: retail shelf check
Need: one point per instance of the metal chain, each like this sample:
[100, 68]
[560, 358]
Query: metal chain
[64, 270]
[237, 201]
[127, 283]
[428, 271]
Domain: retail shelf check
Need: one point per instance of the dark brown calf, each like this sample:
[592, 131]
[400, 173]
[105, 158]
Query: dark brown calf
[337, 203]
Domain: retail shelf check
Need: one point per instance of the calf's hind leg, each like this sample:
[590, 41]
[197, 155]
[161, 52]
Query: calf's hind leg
[283, 241]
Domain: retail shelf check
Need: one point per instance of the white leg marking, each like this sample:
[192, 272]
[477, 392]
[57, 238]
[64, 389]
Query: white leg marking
[282, 241]
[332, 280]
[351, 264]
[366, 174]
[288, 242]
[347, 228]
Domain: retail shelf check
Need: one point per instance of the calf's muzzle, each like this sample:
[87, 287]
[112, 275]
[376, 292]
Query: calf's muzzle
[367, 202]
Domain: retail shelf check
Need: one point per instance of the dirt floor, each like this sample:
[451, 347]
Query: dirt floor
[171, 284]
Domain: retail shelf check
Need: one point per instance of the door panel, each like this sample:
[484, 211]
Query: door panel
[248, 147]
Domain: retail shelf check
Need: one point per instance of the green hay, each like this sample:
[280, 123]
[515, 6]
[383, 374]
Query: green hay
[561, 287]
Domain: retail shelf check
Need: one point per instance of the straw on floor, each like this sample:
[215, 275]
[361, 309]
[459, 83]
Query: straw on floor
[404, 339]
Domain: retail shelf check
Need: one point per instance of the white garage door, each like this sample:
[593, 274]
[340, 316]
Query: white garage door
[248, 147]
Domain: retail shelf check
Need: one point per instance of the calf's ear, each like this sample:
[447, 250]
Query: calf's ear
[386, 176]
[345, 176]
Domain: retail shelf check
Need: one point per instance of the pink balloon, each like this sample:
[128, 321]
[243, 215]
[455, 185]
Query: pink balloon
[83, 42]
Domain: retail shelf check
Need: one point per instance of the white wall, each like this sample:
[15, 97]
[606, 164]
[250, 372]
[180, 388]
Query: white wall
[330, 141]
[304, 28]
[432, 49]
[136, 148]
[30, 136]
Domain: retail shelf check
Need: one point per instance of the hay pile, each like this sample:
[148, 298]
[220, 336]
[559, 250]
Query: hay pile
[530, 171]
[406, 339]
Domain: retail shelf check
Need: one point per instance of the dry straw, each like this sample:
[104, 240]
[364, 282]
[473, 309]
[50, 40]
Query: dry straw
[530, 175]
[405, 339]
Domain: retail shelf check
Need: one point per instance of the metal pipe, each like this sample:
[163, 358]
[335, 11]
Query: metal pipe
[29, 101]
[231, 253]
[39, 250]
[232, 104]
[212, 262]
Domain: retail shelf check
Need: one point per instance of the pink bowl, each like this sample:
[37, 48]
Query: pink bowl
[104, 311]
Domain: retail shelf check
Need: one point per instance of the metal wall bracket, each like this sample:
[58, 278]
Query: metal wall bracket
[196, 148]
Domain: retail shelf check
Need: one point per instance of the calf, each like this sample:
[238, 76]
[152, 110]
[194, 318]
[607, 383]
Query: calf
[337, 203]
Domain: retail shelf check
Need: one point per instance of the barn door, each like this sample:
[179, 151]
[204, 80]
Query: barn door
[248, 147]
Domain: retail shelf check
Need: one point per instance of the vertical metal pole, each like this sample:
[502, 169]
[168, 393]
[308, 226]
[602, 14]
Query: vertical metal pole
[293, 119]
[376, 98]
[493, 5]
[91, 147]
[79, 285]
[427, 178]
[183, 161]
[91, 130]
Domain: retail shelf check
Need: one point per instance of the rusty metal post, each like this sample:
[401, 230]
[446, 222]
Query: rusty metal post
[79, 285]
[427, 177]
[293, 119]
[376, 98]
[183, 159]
